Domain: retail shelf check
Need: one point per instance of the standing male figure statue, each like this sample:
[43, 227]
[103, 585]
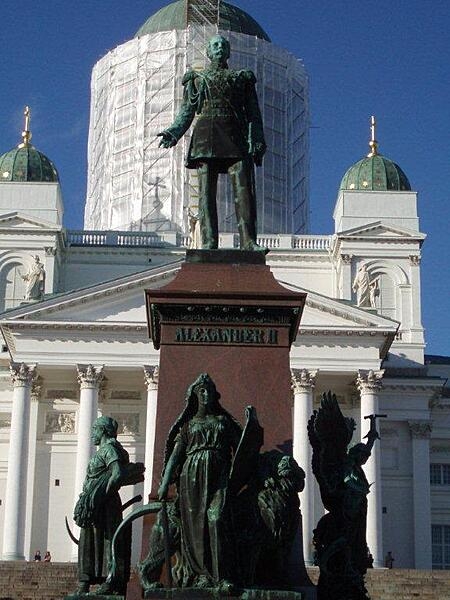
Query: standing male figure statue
[228, 137]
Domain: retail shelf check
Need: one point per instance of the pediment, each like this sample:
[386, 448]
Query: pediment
[18, 221]
[117, 302]
[379, 230]
[122, 301]
[328, 314]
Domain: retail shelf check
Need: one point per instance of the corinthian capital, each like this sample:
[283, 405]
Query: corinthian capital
[36, 387]
[369, 381]
[151, 376]
[303, 380]
[21, 374]
[420, 429]
[90, 376]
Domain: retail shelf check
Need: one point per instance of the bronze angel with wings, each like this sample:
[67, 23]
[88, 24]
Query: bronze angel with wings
[341, 550]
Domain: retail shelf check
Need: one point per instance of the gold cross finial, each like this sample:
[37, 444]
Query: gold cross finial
[373, 142]
[26, 133]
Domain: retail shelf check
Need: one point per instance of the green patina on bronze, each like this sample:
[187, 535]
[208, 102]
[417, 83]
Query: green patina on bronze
[235, 515]
[341, 551]
[177, 16]
[228, 137]
[98, 512]
[25, 163]
[375, 173]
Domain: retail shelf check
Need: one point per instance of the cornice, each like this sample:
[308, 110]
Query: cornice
[411, 386]
[10, 326]
[338, 312]
[344, 332]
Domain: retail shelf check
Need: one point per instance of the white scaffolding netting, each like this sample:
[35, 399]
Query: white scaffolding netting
[136, 93]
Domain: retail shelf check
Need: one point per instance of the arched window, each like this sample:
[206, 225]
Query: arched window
[12, 286]
[386, 298]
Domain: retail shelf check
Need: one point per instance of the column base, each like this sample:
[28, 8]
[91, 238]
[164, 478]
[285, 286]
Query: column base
[9, 556]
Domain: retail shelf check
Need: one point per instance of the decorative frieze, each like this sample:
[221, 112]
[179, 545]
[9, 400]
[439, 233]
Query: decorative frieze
[151, 377]
[369, 381]
[420, 429]
[414, 260]
[61, 394]
[5, 422]
[90, 376]
[303, 380]
[346, 259]
[129, 423]
[60, 422]
[21, 374]
[125, 395]
[440, 450]
[386, 432]
[50, 251]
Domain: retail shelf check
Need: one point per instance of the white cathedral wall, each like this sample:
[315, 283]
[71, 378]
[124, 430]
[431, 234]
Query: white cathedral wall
[41, 200]
[358, 208]
[136, 93]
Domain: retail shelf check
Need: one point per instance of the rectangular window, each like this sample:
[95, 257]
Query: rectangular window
[440, 540]
[439, 474]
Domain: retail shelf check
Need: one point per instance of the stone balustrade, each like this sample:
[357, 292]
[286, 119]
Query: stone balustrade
[308, 243]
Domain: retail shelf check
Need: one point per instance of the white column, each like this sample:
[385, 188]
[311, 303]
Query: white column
[303, 383]
[420, 433]
[89, 378]
[369, 385]
[16, 482]
[36, 390]
[151, 381]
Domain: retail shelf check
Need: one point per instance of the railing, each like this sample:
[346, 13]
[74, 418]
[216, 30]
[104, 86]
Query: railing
[120, 238]
[296, 242]
[308, 243]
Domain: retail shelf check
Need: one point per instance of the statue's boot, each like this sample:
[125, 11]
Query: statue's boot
[247, 237]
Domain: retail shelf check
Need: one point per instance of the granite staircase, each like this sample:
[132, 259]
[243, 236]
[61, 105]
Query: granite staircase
[52, 581]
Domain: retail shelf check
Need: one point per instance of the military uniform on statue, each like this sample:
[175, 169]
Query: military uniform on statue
[228, 138]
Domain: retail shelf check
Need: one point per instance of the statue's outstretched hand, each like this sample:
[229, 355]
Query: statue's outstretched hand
[167, 140]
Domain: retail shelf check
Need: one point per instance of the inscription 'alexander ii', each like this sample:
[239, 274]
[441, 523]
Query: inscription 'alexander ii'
[226, 335]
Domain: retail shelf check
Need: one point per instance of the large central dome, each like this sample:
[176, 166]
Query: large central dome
[179, 15]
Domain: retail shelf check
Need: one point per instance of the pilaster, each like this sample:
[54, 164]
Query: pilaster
[50, 254]
[420, 434]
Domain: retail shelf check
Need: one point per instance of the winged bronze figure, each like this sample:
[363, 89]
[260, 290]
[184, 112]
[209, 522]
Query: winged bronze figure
[341, 550]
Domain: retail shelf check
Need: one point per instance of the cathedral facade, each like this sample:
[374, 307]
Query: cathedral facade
[75, 337]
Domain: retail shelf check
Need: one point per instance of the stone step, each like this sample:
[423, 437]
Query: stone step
[53, 581]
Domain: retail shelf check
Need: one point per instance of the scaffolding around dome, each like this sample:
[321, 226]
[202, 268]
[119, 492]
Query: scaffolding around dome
[136, 92]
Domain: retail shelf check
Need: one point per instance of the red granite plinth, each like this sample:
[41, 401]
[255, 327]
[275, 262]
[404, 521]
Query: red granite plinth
[234, 321]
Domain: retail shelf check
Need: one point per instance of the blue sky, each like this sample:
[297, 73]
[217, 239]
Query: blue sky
[389, 58]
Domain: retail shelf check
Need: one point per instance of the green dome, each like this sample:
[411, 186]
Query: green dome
[25, 163]
[175, 16]
[375, 172]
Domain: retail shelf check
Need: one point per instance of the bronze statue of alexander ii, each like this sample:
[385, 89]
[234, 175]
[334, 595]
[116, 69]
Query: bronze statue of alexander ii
[228, 137]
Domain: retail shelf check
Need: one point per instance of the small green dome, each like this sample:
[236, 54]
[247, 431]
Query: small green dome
[176, 16]
[25, 163]
[376, 173]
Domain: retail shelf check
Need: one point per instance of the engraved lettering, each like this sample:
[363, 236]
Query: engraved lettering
[226, 335]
